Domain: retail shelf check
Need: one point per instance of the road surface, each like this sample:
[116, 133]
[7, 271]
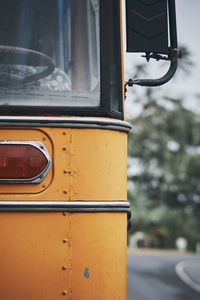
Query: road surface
[161, 276]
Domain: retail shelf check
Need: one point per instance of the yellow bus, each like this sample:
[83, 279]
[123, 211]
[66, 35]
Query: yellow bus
[63, 150]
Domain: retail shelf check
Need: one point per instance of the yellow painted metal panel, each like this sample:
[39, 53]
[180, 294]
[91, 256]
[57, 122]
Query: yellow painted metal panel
[56, 185]
[88, 164]
[33, 256]
[100, 163]
[81, 256]
[98, 256]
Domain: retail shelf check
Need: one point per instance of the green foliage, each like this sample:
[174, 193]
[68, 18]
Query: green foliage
[164, 169]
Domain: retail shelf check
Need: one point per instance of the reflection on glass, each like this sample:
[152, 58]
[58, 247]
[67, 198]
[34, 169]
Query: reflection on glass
[50, 47]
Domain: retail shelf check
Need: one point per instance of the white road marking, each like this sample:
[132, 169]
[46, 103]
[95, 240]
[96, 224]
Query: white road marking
[179, 268]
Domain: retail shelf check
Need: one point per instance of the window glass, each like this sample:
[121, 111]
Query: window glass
[50, 53]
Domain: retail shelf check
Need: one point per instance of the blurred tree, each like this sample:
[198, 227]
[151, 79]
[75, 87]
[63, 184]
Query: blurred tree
[164, 169]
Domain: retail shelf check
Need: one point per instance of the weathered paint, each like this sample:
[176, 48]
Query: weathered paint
[44, 256]
[87, 164]
[32, 255]
[102, 248]
[78, 255]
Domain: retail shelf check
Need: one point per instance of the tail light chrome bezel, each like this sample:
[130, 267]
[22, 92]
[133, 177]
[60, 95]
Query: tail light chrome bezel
[38, 178]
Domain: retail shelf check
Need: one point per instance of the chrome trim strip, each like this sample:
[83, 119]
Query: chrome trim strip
[39, 146]
[66, 122]
[55, 206]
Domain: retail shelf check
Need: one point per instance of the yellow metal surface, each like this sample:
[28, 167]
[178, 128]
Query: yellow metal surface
[71, 256]
[32, 256]
[88, 164]
[55, 255]
[99, 160]
[99, 256]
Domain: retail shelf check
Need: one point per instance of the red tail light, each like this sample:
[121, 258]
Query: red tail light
[23, 161]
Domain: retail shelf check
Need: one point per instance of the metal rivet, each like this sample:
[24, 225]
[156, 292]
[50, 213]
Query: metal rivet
[64, 148]
[64, 133]
[44, 138]
[65, 171]
[65, 192]
[64, 213]
[43, 186]
[64, 293]
[64, 268]
[65, 241]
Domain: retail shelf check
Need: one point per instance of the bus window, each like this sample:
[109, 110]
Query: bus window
[49, 53]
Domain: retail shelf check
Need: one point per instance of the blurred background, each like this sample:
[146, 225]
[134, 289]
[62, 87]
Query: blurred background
[164, 145]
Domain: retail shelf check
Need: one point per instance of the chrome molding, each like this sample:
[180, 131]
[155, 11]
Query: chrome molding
[56, 206]
[39, 146]
[66, 122]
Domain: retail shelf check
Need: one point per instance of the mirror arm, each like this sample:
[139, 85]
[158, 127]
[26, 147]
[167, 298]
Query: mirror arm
[156, 82]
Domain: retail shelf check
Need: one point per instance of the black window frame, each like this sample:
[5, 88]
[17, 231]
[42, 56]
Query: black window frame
[104, 109]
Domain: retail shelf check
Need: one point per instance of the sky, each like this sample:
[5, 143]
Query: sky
[184, 85]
